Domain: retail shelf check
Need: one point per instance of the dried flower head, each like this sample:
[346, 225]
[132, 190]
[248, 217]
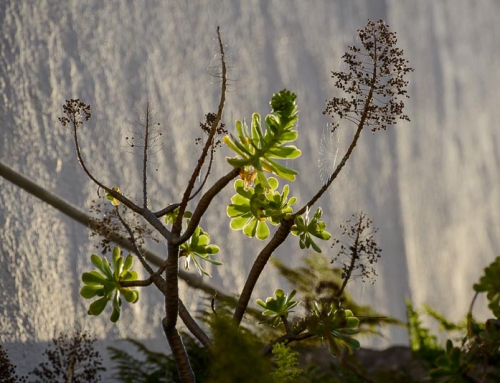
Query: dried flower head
[77, 112]
[8, 369]
[107, 225]
[360, 252]
[206, 127]
[374, 83]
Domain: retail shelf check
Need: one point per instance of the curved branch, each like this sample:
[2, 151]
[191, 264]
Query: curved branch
[120, 197]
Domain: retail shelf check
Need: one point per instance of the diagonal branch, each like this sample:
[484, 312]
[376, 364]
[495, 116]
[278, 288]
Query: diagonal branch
[120, 197]
[210, 163]
[83, 218]
[204, 203]
[346, 157]
[287, 338]
[258, 266]
[286, 225]
[208, 144]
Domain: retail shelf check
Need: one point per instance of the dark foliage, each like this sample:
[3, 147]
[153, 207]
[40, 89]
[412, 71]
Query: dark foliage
[154, 367]
[72, 358]
[8, 369]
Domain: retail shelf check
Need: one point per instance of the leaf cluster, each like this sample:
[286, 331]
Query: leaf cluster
[253, 207]
[490, 283]
[198, 246]
[334, 326]
[106, 283]
[257, 149]
[304, 228]
[278, 307]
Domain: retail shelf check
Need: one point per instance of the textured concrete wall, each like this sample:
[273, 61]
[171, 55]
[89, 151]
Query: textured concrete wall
[431, 185]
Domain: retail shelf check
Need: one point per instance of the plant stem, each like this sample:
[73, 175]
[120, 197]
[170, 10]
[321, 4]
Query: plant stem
[145, 159]
[213, 131]
[259, 265]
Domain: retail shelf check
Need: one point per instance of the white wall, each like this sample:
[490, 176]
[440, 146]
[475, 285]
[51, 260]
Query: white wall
[431, 185]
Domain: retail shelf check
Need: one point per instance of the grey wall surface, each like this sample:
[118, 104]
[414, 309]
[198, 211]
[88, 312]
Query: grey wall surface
[431, 186]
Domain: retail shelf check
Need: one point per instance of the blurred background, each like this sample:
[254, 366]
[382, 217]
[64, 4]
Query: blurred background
[431, 186]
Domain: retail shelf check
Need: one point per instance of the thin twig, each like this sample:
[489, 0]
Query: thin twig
[147, 214]
[145, 159]
[134, 243]
[354, 258]
[120, 197]
[169, 209]
[213, 131]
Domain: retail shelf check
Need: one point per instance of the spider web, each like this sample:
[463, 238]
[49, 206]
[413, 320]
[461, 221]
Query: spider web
[328, 152]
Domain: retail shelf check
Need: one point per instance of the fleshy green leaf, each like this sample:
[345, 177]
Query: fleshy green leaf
[262, 231]
[93, 278]
[89, 292]
[97, 307]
